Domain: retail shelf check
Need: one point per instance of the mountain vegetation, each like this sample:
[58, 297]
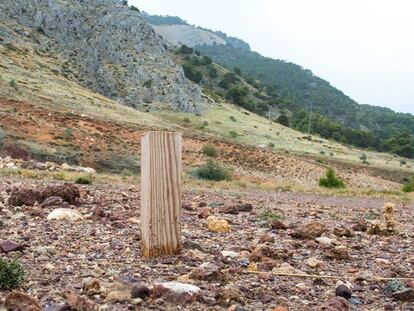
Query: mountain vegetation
[335, 116]
[289, 90]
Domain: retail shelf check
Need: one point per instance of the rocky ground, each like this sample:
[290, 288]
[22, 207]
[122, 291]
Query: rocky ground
[257, 252]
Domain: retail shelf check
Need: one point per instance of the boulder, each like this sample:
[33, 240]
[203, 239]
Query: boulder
[216, 224]
[64, 214]
[309, 230]
[19, 301]
[180, 293]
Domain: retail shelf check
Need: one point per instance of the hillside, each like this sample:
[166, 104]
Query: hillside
[128, 63]
[336, 115]
[70, 175]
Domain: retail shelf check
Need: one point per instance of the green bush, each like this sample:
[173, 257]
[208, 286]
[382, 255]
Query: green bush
[232, 119]
[283, 119]
[186, 50]
[134, 8]
[84, 180]
[13, 84]
[67, 135]
[364, 158]
[213, 171]
[212, 71]
[268, 216]
[209, 150]
[233, 134]
[2, 136]
[11, 273]
[409, 186]
[331, 181]
[192, 74]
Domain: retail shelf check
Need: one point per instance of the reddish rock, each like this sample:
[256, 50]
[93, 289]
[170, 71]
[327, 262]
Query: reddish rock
[23, 196]
[77, 302]
[337, 252]
[68, 192]
[10, 246]
[245, 207]
[280, 308]
[335, 304]
[19, 301]
[309, 230]
[361, 226]
[404, 295]
[207, 272]
[187, 206]
[205, 212]
[263, 251]
[276, 224]
[267, 238]
[341, 231]
[202, 204]
[140, 290]
[53, 201]
[229, 209]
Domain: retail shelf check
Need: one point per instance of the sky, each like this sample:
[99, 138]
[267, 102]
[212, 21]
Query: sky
[363, 47]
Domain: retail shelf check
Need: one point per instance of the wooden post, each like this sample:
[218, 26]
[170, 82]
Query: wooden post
[160, 193]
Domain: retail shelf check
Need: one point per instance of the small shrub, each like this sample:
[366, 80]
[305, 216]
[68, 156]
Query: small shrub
[67, 135]
[205, 123]
[209, 150]
[186, 120]
[270, 145]
[232, 119]
[127, 173]
[2, 136]
[409, 186]
[11, 273]
[233, 134]
[134, 8]
[213, 171]
[83, 180]
[147, 84]
[402, 162]
[13, 84]
[59, 176]
[364, 158]
[268, 216]
[331, 181]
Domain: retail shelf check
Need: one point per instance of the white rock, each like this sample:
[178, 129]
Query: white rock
[382, 261]
[65, 167]
[64, 214]
[181, 288]
[324, 240]
[230, 254]
[313, 262]
[10, 165]
[89, 170]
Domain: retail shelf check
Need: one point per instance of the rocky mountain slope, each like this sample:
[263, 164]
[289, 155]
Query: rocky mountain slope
[188, 35]
[105, 46]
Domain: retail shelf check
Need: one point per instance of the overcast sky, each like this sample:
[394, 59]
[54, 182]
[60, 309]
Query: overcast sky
[363, 47]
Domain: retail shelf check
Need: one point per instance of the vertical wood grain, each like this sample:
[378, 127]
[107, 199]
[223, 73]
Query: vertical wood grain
[160, 194]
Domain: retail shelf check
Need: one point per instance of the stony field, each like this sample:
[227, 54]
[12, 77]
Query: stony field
[273, 251]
